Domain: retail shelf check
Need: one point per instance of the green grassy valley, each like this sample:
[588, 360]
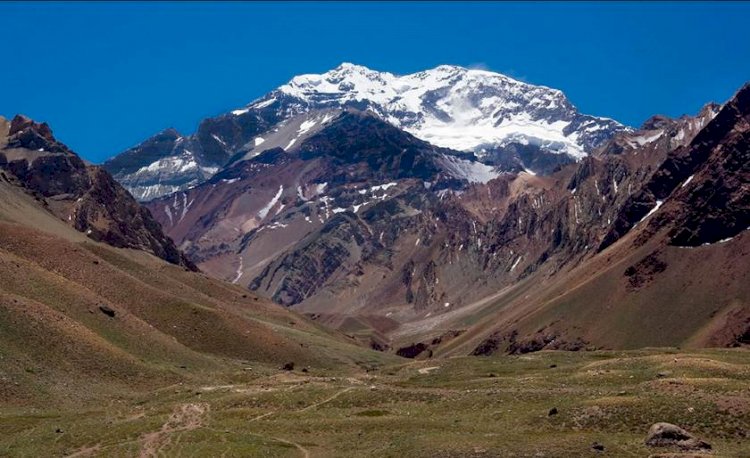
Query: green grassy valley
[498, 406]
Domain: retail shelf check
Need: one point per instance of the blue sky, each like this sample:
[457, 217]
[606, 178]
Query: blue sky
[106, 76]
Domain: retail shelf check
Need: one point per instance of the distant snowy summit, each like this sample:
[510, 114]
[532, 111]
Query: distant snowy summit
[450, 106]
[506, 123]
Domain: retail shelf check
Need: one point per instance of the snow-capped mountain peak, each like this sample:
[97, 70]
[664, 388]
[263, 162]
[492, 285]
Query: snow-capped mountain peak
[509, 124]
[451, 106]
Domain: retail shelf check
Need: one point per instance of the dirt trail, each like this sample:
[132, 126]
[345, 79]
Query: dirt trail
[262, 416]
[305, 452]
[324, 401]
[85, 451]
[185, 417]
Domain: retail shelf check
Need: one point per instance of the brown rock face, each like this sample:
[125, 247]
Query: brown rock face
[708, 180]
[716, 205]
[18, 123]
[85, 196]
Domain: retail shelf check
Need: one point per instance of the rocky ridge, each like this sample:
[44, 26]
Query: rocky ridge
[85, 196]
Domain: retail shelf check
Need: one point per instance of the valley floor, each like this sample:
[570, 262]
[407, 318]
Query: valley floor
[466, 406]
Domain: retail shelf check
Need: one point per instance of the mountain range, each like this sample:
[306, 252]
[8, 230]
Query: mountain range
[458, 211]
[448, 212]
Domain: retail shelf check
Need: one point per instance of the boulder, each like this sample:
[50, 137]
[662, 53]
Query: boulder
[107, 311]
[667, 435]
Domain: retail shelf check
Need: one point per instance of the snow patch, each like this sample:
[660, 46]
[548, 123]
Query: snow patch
[645, 139]
[690, 178]
[472, 171]
[239, 271]
[383, 187]
[216, 137]
[264, 211]
[652, 211]
[305, 126]
[264, 103]
[169, 214]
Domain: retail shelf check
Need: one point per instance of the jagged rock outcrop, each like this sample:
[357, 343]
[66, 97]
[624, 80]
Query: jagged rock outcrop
[85, 196]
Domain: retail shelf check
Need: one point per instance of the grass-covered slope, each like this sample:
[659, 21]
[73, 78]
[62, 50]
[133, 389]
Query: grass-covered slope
[81, 319]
